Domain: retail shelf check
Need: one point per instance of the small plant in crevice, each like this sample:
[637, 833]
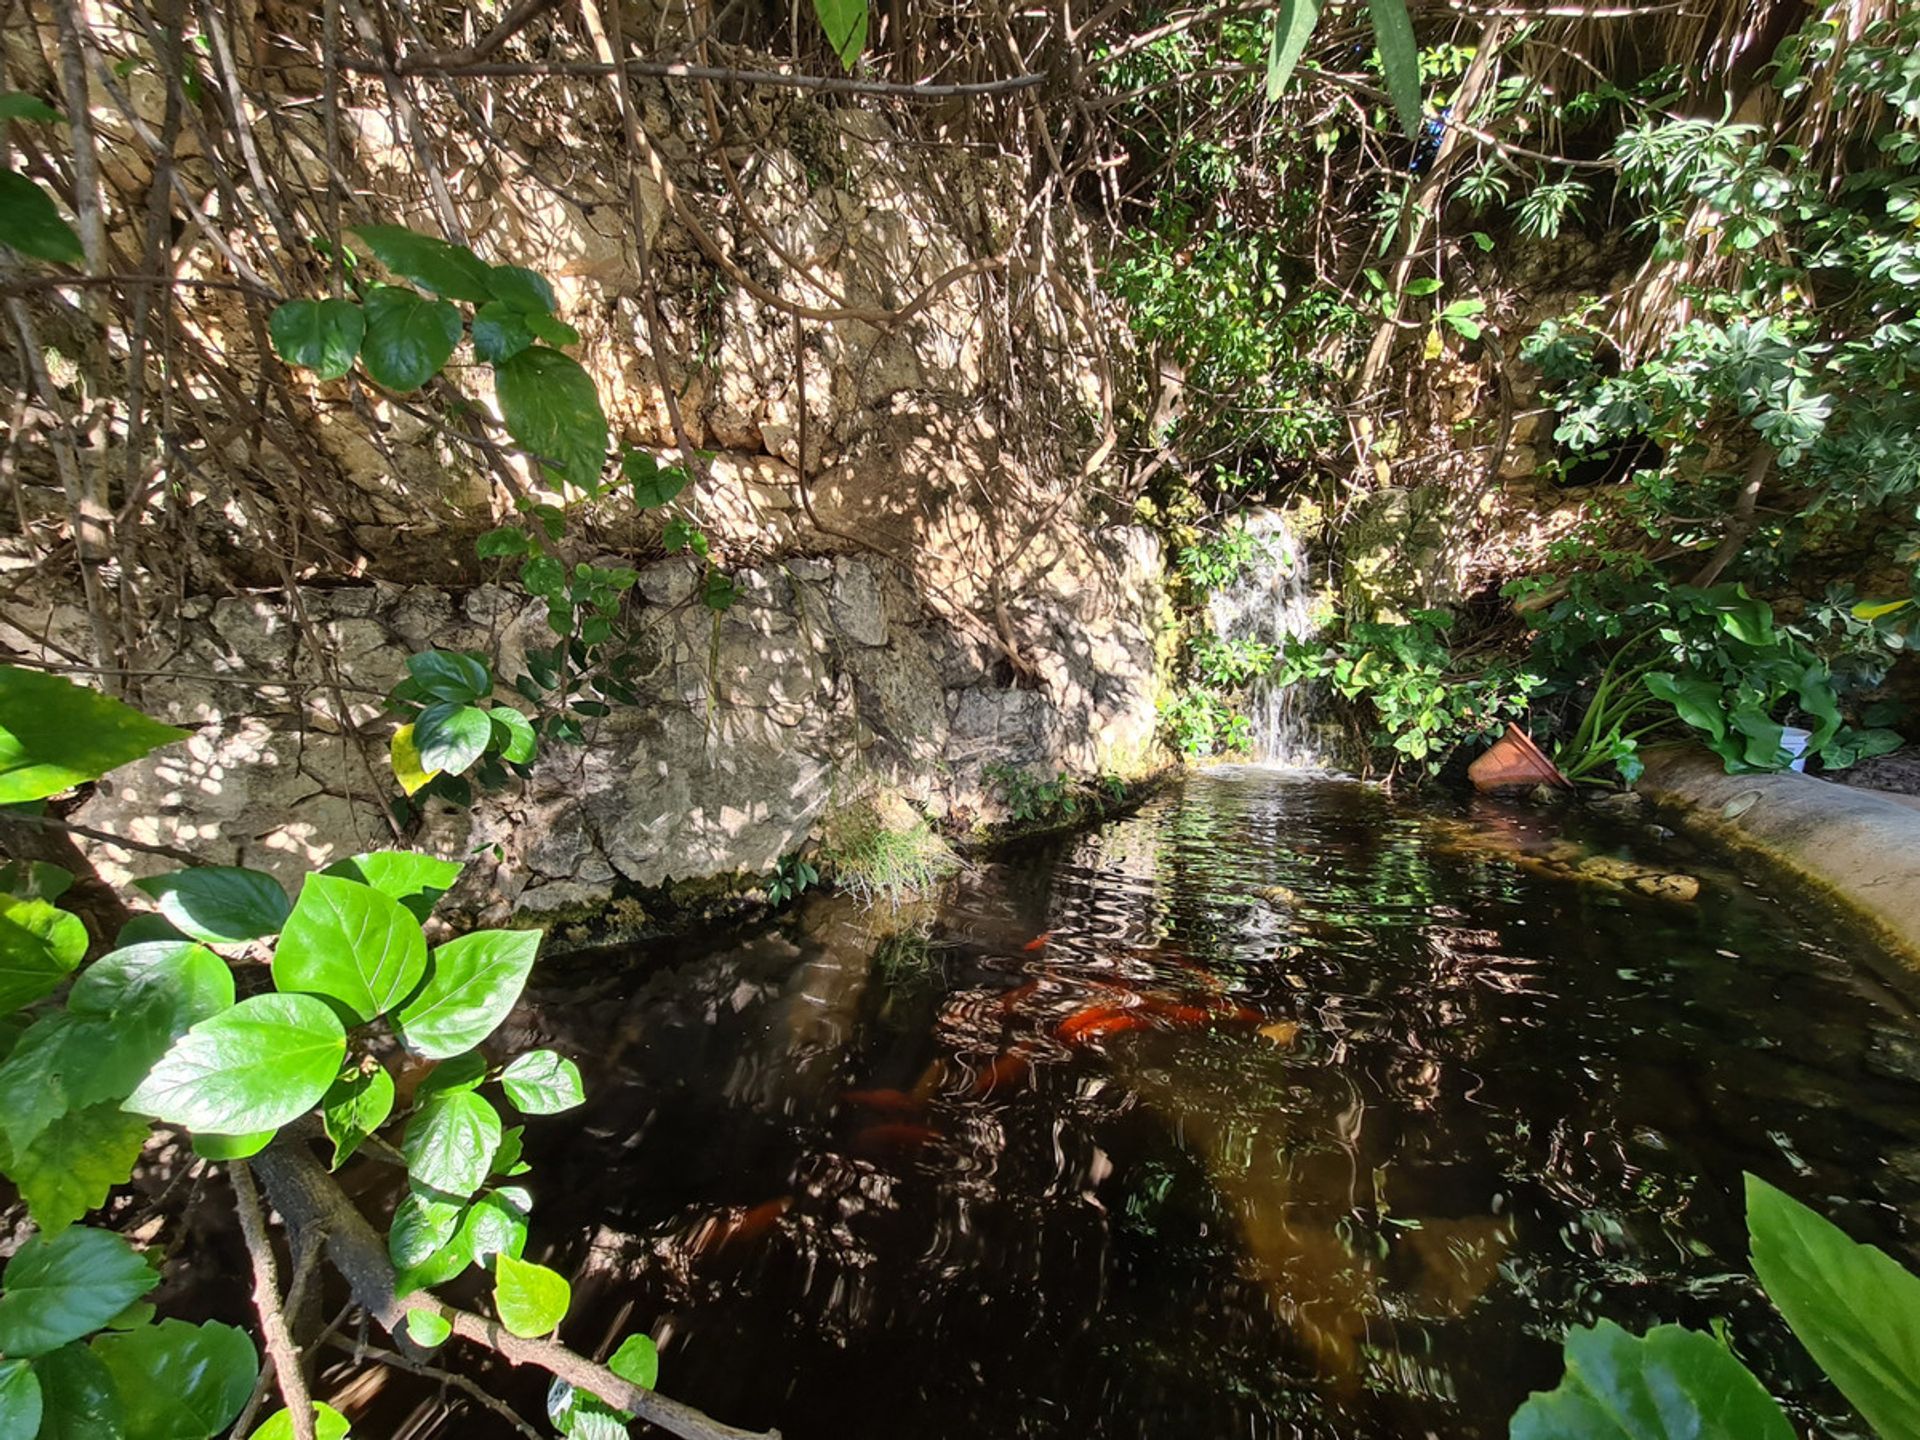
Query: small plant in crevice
[791, 876]
[453, 727]
[875, 851]
[1032, 797]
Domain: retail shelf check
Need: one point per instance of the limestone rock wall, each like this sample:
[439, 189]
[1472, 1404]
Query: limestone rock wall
[829, 678]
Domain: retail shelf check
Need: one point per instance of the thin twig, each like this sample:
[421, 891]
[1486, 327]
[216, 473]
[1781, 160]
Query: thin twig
[459, 1382]
[282, 1354]
[677, 70]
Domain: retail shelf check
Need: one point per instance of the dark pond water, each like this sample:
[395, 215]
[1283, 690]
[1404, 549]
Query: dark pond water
[1280, 1109]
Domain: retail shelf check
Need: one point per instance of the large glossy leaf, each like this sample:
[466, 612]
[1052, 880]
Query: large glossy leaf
[1698, 702]
[845, 22]
[221, 904]
[472, 983]
[450, 270]
[1855, 1309]
[52, 1061]
[542, 1083]
[81, 1402]
[496, 1224]
[524, 290]
[422, 1225]
[409, 337]
[348, 943]
[1399, 59]
[61, 1287]
[417, 881]
[450, 675]
[450, 1143]
[21, 1405]
[355, 1105]
[319, 335]
[163, 986]
[531, 1299]
[328, 1424]
[255, 1067]
[1293, 25]
[39, 947]
[75, 1161]
[30, 222]
[500, 333]
[179, 1381]
[451, 737]
[513, 734]
[1670, 1384]
[55, 734]
[552, 408]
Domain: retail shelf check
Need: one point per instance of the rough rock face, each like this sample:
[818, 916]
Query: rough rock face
[828, 679]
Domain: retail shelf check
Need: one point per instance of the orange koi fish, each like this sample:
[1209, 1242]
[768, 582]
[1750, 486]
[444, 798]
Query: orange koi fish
[1008, 1070]
[1039, 942]
[1097, 1020]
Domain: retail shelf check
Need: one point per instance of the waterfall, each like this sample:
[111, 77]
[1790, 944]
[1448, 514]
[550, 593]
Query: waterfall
[1270, 601]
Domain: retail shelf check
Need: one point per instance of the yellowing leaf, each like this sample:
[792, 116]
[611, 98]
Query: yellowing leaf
[407, 768]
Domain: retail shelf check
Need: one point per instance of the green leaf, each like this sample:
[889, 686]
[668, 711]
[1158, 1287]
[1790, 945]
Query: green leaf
[450, 1142]
[637, 1361]
[552, 408]
[422, 1224]
[502, 543]
[231, 1147]
[47, 1064]
[319, 335]
[579, 1415]
[499, 333]
[451, 736]
[1855, 1309]
[31, 223]
[845, 22]
[451, 675]
[1292, 28]
[522, 289]
[1423, 285]
[159, 989]
[355, 1105]
[409, 337]
[222, 904]
[1399, 59]
[328, 1423]
[179, 1381]
[35, 880]
[258, 1066]
[348, 943]
[496, 1224]
[39, 946]
[1741, 616]
[1698, 702]
[18, 105]
[1875, 610]
[532, 1300]
[428, 1328]
[417, 881]
[653, 484]
[450, 270]
[513, 734]
[21, 1405]
[554, 332]
[465, 1071]
[542, 1083]
[1671, 1384]
[81, 1403]
[507, 1160]
[75, 1161]
[59, 1288]
[55, 735]
[471, 985]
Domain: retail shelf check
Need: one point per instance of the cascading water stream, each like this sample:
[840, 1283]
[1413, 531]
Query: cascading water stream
[1271, 602]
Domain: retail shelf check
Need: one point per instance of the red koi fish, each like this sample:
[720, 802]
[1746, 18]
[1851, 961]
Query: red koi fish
[1010, 1001]
[717, 1234]
[1098, 1020]
[895, 1135]
[1007, 1071]
[1039, 942]
[1177, 1014]
[884, 1102]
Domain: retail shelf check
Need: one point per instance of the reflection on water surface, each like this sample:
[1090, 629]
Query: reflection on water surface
[1280, 1109]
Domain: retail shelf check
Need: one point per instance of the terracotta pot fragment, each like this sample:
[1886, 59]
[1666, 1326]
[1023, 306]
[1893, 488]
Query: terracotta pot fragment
[1514, 762]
